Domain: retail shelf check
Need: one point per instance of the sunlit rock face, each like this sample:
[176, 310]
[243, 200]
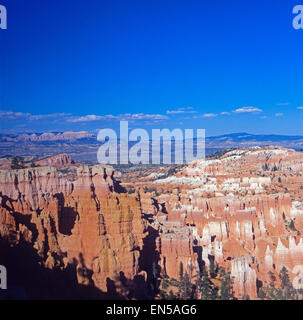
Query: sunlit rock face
[237, 209]
[87, 221]
[242, 211]
[244, 278]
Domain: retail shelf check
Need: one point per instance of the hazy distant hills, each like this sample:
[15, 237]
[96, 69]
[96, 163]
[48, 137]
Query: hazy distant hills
[243, 136]
[243, 139]
[83, 145]
[47, 136]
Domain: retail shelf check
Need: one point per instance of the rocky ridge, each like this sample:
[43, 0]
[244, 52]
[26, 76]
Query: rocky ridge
[242, 211]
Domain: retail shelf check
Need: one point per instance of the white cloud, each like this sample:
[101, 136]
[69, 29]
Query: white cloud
[13, 115]
[300, 108]
[89, 117]
[209, 115]
[142, 116]
[126, 116]
[10, 115]
[279, 114]
[181, 111]
[225, 113]
[48, 116]
[248, 110]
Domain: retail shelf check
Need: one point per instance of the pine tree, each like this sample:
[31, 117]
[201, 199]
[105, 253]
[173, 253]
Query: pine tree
[292, 226]
[186, 288]
[284, 278]
[152, 279]
[21, 163]
[226, 285]
[180, 271]
[171, 296]
[271, 292]
[17, 163]
[212, 268]
[206, 289]
[272, 279]
[289, 292]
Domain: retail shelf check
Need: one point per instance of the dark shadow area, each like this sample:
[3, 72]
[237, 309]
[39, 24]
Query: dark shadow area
[25, 219]
[29, 279]
[259, 285]
[112, 290]
[155, 204]
[20, 219]
[118, 188]
[66, 216]
[198, 251]
[148, 261]
[149, 217]
[163, 208]
[142, 289]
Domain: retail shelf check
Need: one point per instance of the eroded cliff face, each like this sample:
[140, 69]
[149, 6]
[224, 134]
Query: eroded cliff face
[84, 220]
[242, 210]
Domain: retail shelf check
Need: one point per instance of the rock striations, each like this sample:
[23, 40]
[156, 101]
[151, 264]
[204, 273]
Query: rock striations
[242, 210]
[86, 221]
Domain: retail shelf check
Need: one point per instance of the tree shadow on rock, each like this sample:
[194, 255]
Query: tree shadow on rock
[29, 279]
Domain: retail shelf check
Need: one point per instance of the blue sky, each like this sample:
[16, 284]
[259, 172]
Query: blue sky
[226, 66]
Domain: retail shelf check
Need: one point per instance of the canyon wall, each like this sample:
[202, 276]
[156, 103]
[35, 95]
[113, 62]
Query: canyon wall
[242, 211]
[88, 222]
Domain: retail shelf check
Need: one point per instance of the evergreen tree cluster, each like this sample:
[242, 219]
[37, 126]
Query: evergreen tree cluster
[215, 284]
[17, 163]
[286, 291]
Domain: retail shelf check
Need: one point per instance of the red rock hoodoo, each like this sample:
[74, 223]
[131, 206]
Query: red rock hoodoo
[243, 210]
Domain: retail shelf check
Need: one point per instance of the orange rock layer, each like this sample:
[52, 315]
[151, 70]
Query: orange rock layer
[86, 222]
[243, 211]
[236, 210]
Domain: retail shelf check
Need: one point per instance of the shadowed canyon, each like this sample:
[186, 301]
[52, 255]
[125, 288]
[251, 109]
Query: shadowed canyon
[73, 231]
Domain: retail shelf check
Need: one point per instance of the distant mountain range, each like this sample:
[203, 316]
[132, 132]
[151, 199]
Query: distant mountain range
[243, 139]
[83, 145]
[47, 136]
[76, 135]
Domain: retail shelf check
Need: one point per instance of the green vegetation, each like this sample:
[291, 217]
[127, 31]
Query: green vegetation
[131, 190]
[33, 165]
[204, 287]
[292, 225]
[206, 290]
[286, 291]
[201, 286]
[213, 268]
[219, 154]
[171, 171]
[226, 286]
[17, 163]
[153, 189]
[180, 271]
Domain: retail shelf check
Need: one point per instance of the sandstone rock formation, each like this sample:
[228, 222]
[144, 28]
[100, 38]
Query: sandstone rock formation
[242, 211]
[88, 222]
